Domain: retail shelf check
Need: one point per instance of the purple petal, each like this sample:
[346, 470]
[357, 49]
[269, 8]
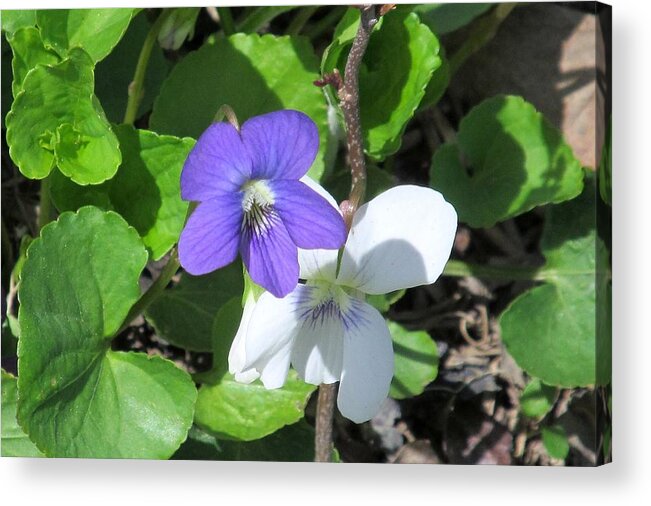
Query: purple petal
[218, 163]
[271, 258]
[312, 222]
[282, 144]
[211, 236]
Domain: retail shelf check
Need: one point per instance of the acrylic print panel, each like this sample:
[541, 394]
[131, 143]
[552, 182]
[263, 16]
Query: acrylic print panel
[348, 234]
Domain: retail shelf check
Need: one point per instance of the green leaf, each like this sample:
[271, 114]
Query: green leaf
[550, 329]
[537, 399]
[555, 441]
[264, 74]
[145, 191]
[446, 18]
[78, 283]
[57, 120]
[184, 314]
[401, 56]
[14, 20]
[232, 410]
[507, 160]
[96, 31]
[416, 361]
[15, 442]
[114, 73]
[384, 301]
[28, 51]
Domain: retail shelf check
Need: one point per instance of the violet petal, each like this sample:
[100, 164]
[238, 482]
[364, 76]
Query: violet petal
[282, 144]
[219, 163]
[271, 257]
[210, 239]
[312, 222]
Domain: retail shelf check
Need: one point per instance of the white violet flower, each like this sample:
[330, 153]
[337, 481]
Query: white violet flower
[324, 328]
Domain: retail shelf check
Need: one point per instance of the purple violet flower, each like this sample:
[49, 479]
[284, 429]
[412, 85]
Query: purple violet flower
[253, 200]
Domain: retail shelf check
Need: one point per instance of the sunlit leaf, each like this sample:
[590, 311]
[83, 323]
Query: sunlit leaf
[78, 283]
[57, 120]
[401, 57]
[550, 329]
[97, 31]
[507, 160]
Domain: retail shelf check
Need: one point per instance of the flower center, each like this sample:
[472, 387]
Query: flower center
[324, 300]
[257, 203]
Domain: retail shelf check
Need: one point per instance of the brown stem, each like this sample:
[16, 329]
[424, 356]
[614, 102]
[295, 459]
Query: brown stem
[325, 409]
[349, 102]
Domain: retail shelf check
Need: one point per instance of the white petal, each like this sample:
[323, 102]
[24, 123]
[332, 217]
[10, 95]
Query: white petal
[271, 368]
[248, 376]
[237, 353]
[401, 238]
[317, 353]
[368, 364]
[318, 264]
[272, 327]
[273, 372]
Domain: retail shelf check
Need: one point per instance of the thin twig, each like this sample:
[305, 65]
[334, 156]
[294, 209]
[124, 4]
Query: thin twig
[325, 408]
[349, 102]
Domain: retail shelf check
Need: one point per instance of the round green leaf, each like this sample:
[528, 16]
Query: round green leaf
[146, 190]
[508, 159]
[78, 283]
[28, 51]
[184, 314]
[555, 441]
[537, 399]
[401, 56]
[15, 442]
[96, 31]
[58, 120]
[550, 330]
[416, 361]
[251, 73]
[232, 410]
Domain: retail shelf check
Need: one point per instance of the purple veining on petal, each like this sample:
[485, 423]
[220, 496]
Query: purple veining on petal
[312, 314]
[269, 255]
